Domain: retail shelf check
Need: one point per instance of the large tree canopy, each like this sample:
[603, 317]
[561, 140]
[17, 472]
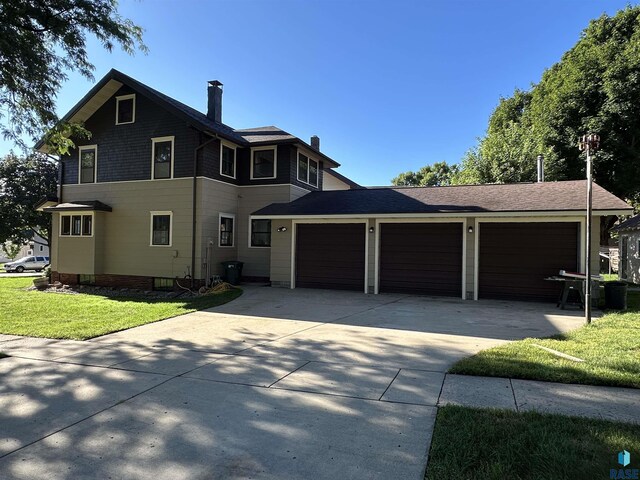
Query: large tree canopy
[438, 174]
[594, 88]
[23, 182]
[40, 41]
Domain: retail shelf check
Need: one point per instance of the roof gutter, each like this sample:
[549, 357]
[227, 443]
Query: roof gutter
[193, 205]
[538, 213]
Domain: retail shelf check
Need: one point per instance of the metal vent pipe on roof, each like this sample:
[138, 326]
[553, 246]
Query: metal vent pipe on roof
[540, 168]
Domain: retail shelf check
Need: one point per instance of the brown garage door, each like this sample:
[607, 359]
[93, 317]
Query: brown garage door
[423, 258]
[514, 259]
[330, 256]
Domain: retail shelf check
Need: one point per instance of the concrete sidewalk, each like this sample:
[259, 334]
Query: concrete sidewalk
[605, 403]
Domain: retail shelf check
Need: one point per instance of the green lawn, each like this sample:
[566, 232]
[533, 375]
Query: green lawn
[610, 348]
[498, 444]
[83, 316]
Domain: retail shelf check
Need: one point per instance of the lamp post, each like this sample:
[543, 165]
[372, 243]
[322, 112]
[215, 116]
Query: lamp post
[590, 144]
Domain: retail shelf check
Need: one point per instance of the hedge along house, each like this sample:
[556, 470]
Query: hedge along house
[629, 243]
[161, 191]
[472, 242]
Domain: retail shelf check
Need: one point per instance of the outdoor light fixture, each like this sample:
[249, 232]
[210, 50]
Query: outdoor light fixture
[588, 143]
[282, 229]
[371, 229]
[470, 229]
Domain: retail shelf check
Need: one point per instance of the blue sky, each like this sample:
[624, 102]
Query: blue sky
[388, 86]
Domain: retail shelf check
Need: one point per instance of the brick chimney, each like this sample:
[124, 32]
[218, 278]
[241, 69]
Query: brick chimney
[214, 107]
[315, 142]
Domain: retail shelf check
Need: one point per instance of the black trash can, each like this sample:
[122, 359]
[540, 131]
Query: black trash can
[615, 295]
[232, 271]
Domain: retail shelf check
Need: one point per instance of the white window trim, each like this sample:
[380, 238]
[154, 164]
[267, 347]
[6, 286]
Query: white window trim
[125, 97]
[250, 231]
[222, 215]
[235, 159]
[153, 152]
[275, 162]
[75, 214]
[157, 213]
[95, 163]
[309, 159]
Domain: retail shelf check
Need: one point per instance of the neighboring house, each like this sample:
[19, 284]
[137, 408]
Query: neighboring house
[335, 181]
[162, 191]
[629, 241]
[472, 241]
[36, 246]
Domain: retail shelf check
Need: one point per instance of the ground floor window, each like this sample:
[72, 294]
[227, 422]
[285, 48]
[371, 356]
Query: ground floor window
[76, 225]
[86, 279]
[161, 229]
[226, 230]
[260, 233]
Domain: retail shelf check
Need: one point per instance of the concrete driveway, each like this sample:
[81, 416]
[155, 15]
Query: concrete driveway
[277, 384]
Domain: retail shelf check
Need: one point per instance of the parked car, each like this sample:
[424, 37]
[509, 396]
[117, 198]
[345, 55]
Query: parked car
[27, 263]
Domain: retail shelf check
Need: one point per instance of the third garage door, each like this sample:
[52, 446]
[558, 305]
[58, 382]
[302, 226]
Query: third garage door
[515, 258]
[422, 258]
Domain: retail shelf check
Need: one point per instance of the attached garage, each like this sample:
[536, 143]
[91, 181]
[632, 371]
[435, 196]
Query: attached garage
[421, 258]
[515, 258]
[330, 255]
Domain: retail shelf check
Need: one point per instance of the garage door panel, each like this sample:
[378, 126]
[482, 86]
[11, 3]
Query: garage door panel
[330, 256]
[422, 258]
[514, 258]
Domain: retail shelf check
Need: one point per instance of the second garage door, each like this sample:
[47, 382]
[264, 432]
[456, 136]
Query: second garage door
[422, 258]
[515, 258]
[330, 255]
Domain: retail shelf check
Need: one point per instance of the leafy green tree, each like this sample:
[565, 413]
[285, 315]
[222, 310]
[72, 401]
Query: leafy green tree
[40, 41]
[438, 174]
[10, 249]
[594, 88]
[23, 182]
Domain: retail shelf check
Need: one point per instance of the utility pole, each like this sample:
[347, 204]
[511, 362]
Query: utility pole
[590, 144]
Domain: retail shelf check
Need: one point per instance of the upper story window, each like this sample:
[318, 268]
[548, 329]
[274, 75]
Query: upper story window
[161, 229]
[307, 170]
[88, 156]
[76, 225]
[125, 109]
[226, 230]
[227, 160]
[263, 163]
[162, 157]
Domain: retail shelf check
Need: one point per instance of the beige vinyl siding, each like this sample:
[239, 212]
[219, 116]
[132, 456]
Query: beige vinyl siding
[332, 183]
[124, 233]
[471, 245]
[215, 198]
[281, 253]
[256, 260]
[54, 243]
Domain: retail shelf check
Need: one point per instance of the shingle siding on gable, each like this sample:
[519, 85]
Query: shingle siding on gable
[124, 151]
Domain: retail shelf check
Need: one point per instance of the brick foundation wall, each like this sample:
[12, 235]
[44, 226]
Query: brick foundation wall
[120, 281]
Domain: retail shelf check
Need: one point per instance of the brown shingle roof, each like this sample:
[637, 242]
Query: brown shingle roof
[518, 197]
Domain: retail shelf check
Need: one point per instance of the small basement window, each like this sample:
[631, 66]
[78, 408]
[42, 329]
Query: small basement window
[125, 109]
[86, 279]
[163, 284]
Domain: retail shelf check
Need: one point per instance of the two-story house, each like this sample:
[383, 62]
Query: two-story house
[161, 191]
